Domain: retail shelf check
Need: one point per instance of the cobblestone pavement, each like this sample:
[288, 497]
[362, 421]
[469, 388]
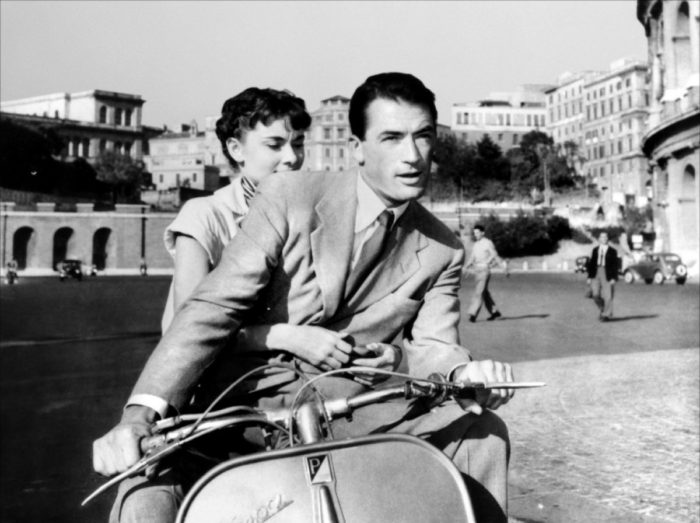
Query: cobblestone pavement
[610, 438]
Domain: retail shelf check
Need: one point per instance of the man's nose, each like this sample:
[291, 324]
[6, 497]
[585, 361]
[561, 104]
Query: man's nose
[411, 153]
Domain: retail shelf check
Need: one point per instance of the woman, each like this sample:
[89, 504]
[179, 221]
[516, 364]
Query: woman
[261, 132]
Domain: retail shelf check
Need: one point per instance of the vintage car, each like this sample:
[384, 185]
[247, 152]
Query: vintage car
[657, 268]
[581, 264]
[70, 269]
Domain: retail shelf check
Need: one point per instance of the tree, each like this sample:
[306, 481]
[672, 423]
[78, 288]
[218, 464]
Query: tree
[122, 173]
[455, 160]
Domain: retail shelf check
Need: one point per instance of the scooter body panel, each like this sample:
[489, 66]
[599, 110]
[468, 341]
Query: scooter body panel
[386, 477]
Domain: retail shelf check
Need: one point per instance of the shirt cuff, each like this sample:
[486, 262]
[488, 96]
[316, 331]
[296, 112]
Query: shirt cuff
[451, 372]
[149, 400]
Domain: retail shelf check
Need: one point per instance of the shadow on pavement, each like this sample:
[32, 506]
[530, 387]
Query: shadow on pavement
[524, 317]
[638, 317]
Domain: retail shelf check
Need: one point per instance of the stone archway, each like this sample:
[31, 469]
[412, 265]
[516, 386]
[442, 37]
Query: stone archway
[102, 247]
[23, 245]
[61, 242]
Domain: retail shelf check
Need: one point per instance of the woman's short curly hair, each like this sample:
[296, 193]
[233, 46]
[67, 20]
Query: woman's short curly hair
[242, 113]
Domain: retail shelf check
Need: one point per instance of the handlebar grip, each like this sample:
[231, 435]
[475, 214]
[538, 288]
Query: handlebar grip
[149, 443]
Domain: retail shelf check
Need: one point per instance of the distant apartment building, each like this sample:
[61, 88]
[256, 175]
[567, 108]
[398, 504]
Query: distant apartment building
[505, 117]
[326, 141]
[671, 138]
[187, 158]
[615, 108]
[565, 108]
[89, 122]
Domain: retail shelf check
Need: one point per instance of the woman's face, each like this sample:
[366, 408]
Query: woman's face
[267, 149]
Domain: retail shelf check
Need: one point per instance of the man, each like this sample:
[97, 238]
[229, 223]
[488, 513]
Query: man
[483, 256]
[602, 271]
[296, 260]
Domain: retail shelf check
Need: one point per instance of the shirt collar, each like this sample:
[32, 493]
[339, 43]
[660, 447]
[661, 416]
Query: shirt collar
[369, 206]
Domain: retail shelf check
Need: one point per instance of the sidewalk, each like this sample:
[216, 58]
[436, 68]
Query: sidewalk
[611, 438]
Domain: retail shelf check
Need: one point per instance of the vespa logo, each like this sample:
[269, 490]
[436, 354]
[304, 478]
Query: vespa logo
[318, 469]
[267, 511]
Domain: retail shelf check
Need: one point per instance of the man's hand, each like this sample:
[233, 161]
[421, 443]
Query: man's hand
[119, 449]
[376, 355]
[485, 371]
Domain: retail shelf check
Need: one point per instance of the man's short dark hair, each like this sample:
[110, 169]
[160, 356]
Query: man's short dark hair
[480, 227]
[392, 86]
[242, 113]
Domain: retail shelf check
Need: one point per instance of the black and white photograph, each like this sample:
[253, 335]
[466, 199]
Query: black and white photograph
[350, 261]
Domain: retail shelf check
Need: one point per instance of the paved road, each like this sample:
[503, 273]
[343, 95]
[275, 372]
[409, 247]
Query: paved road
[613, 437]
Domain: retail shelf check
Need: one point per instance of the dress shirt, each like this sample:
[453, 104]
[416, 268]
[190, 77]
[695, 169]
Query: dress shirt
[369, 207]
[483, 253]
[602, 249]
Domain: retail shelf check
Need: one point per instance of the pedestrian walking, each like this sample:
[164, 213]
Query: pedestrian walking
[482, 258]
[602, 270]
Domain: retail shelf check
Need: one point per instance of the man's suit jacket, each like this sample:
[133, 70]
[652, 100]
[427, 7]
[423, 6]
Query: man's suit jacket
[289, 263]
[611, 263]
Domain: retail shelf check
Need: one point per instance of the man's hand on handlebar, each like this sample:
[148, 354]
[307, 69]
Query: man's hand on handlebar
[485, 371]
[376, 355]
[119, 449]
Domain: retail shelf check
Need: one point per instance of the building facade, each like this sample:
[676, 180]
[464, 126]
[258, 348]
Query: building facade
[505, 117]
[327, 140]
[566, 116]
[615, 106]
[186, 158]
[89, 122]
[671, 137]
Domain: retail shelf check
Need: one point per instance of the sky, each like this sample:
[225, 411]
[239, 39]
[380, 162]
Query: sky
[185, 57]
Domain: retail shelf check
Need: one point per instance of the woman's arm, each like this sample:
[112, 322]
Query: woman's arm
[191, 266]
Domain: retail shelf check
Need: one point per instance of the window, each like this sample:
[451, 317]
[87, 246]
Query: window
[127, 117]
[103, 145]
[500, 137]
[118, 116]
[103, 115]
[127, 148]
[329, 118]
[612, 108]
[160, 177]
[328, 152]
[341, 134]
[341, 117]
[619, 85]
[515, 139]
[326, 133]
[341, 153]
[55, 114]
[628, 82]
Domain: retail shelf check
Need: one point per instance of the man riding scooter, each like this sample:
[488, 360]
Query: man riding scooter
[350, 253]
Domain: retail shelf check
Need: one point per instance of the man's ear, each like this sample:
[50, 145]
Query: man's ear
[235, 149]
[357, 150]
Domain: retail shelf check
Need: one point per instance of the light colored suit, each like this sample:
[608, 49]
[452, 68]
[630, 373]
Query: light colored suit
[289, 264]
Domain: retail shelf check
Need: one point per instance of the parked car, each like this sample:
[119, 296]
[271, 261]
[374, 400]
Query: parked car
[581, 263]
[70, 269]
[657, 268]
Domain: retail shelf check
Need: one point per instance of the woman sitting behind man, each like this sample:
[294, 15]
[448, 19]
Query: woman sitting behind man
[261, 132]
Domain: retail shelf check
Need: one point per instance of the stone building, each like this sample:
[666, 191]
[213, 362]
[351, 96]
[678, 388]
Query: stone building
[505, 117]
[88, 122]
[615, 108]
[186, 158]
[672, 134]
[115, 241]
[326, 141]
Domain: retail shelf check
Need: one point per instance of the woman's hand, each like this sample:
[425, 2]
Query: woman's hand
[322, 348]
[376, 355]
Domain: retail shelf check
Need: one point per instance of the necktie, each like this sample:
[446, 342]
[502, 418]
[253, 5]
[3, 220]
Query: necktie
[601, 257]
[370, 253]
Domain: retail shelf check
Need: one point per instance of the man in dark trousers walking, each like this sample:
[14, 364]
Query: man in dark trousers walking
[602, 274]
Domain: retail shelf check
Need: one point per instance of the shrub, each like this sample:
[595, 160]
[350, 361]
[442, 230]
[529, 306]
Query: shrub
[526, 235]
